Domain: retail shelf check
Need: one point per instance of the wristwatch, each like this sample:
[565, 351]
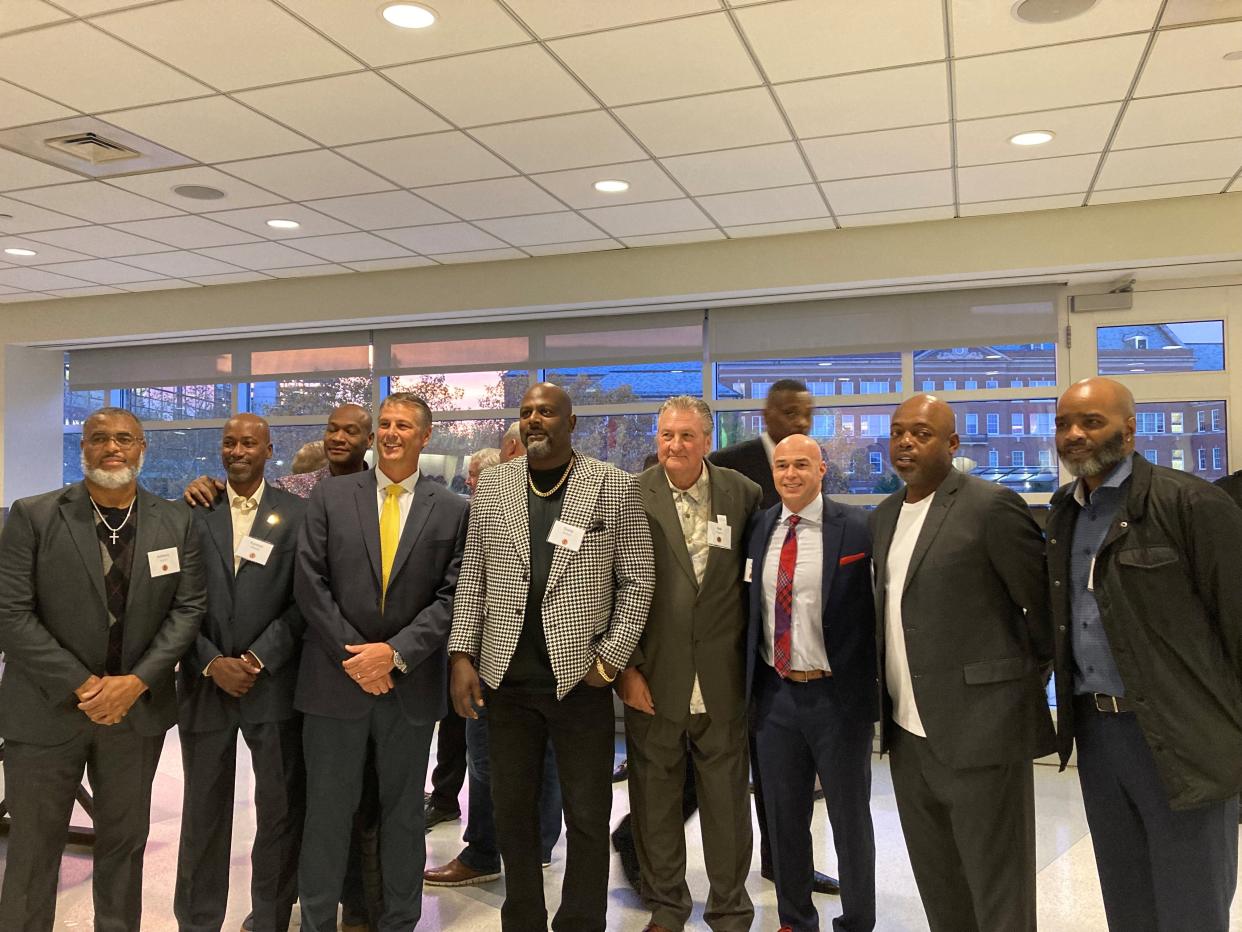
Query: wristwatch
[398, 662]
[603, 670]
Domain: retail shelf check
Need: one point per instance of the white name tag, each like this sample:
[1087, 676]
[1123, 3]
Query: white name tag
[718, 534]
[254, 550]
[566, 535]
[164, 562]
[746, 573]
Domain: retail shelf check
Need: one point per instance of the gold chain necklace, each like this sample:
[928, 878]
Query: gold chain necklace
[556, 488]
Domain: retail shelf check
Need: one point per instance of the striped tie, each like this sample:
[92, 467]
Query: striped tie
[782, 642]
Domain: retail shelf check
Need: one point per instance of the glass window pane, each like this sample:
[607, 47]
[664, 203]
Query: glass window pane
[174, 457]
[1017, 365]
[286, 441]
[452, 443]
[1028, 449]
[308, 396]
[178, 402]
[625, 440]
[1194, 346]
[1184, 449]
[867, 374]
[629, 382]
[79, 405]
[463, 391]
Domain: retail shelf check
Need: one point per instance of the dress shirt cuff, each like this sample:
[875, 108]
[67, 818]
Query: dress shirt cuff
[258, 662]
[207, 669]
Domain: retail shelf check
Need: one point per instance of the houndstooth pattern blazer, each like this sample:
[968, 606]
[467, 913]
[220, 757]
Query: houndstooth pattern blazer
[597, 598]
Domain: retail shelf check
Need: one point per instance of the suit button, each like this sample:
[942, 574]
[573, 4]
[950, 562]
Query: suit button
[1124, 524]
[1062, 627]
[1057, 583]
[1052, 540]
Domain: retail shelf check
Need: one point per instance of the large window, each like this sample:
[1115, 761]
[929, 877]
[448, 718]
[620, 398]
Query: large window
[464, 391]
[1139, 349]
[1023, 365]
[307, 396]
[1201, 451]
[1029, 455]
[626, 383]
[177, 402]
[872, 374]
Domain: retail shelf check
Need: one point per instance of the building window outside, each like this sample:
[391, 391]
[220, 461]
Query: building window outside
[1201, 454]
[1017, 458]
[877, 463]
[1190, 346]
[1045, 457]
[993, 422]
[1149, 422]
[1152, 456]
[1017, 423]
[1216, 422]
[1218, 460]
[1178, 460]
[972, 424]
[993, 458]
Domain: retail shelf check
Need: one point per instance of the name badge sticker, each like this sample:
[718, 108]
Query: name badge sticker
[566, 535]
[746, 573]
[718, 534]
[254, 550]
[164, 562]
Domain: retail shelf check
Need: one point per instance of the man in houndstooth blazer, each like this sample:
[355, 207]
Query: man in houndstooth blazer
[553, 595]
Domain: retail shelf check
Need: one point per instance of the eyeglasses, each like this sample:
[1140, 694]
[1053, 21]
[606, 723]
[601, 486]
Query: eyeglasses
[124, 441]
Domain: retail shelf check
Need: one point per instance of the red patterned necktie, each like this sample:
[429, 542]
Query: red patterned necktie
[782, 649]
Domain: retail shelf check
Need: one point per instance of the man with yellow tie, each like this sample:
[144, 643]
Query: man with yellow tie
[377, 566]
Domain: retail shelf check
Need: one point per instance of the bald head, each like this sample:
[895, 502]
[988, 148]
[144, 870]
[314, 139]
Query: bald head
[1095, 428]
[1105, 394]
[922, 441]
[347, 438]
[245, 448]
[798, 471]
[546, 421]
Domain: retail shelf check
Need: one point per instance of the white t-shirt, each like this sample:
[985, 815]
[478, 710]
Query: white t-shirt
[896, 664]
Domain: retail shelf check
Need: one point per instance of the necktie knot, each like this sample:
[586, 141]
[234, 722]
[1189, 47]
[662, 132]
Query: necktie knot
[395, 490]
[245, 504]
[793, 521]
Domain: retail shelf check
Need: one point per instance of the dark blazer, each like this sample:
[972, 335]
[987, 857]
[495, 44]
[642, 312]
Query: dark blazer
[253, 610]
[337, 586]
[54, 617]
[751, 460]
[977, 624]
[694, 628]
[848, 608]
[1232, 484]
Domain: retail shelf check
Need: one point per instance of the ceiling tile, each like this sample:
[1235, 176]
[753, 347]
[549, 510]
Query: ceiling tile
[379, 265]
[231, 278]
[809, 38]
[93, 71]
[576, 186]
[890, 192]
[259, 256]
[1046, 78]
[483, 255]
[25, 218]
[1155, 121]
[886, 217]
[980, 26]
[382, 211]
[425, 160]
[104, 242]
[180, 264]
[672, 239]
[557, 18]
[1180, 12]
[739, 169]
[19, 107]
[1192, 161]
[91, 7]
[159, 187]
[1036, 178]
[443, 237]
[88, 291]
[626, 220]
[38, 280]
[210, 129]
[796, 203]
[699, 124]
[306, 271]
[559, 249]
[502, 197]
[1192, 59]
[96, 201]
[1153, 192]
[1018, 205]
[858, 103]
[24, 296]
[357, 25]
[777, 229]
[345, 109]
[254, 220]
[160, 284]
[43, 252]
[19, 171]
[491, 87]
[23, 14]
[561, 227]
[920, 148]
[306, 175]
[185, 233]
[100, 271]
[675, 58]
[561, 142]
[350, 247]
[1077, 129]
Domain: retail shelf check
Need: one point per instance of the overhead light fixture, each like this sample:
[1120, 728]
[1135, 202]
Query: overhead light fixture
[409, 15]
[1039, 12]
[283, 224]
[1235, 55]
[1036, 137]
[612, 186]
[20, 252]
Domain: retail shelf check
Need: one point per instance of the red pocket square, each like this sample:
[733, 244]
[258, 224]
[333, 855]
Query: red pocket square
[852, 558]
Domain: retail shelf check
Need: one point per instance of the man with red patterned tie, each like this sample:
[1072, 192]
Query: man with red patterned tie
[811, 675]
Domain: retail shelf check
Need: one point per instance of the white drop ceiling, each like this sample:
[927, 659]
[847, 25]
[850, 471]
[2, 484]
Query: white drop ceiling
[480, 138]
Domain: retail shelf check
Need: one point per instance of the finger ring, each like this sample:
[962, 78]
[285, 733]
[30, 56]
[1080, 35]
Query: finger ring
[357, 676]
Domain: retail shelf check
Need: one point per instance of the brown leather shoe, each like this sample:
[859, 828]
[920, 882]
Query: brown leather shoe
[456, 874]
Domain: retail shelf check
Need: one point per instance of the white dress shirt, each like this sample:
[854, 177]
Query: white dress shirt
[243, 510]
[896, 664]
[404, 500]
[806, 623]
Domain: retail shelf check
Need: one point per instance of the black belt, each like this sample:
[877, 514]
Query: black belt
[1101, 702]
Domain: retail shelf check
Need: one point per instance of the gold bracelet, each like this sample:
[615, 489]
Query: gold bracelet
[603, 671]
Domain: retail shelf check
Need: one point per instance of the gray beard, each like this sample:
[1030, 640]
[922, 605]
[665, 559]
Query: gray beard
[540, 448]
[1111, 452]
[113, 478]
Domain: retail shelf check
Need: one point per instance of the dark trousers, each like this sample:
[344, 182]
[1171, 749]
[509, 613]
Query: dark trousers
[481, 853]
[362, 897]
[581, 730]
[803, 731]
[1160, 870]
[971, 838]
[450, 770]
[660, 754]
[336, 751]
[209, 763]
[39, 786]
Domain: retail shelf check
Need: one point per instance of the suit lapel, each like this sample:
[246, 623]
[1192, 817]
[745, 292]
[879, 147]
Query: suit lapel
[941, 503]
[833, 531]
[581, 493]
[723, 502]
[420, 508]
[220, 525]
[664, 510]
[79, 517]
[368, 518]
[885, 524]
[149, 524]
[513, 507]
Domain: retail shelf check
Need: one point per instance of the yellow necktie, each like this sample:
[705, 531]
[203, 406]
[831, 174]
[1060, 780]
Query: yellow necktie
[390, 535]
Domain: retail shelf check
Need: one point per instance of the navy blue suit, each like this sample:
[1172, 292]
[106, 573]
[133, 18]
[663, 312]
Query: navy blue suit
[823, 727]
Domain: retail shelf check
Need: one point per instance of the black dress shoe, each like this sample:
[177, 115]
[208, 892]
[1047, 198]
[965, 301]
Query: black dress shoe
[433, 816]
[623, 844]
[248, 923]
[820, 883]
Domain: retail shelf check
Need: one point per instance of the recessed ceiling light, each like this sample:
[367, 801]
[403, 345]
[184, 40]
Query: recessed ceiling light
[612, 186]
[409, 15]
[20, 252]
[283, 224]
[1035, 137]
[198, 192]
[1233, 56]
[1050, 11]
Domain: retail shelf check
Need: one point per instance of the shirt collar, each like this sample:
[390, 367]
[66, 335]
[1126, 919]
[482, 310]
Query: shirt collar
[257, 496]
[769, 445]
[1114, 480]
[382, 481]
[698, 491]
[813, 513]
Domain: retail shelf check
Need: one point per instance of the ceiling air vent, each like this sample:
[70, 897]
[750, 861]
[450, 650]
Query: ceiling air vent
[92, 148]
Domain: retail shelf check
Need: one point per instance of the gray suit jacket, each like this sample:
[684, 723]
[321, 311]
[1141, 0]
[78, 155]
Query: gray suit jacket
[977, 623]
[54, 618]
[250, 610]
[337, 586]
[694, 628]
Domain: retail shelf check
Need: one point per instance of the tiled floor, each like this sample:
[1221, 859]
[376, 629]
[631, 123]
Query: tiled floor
[1069, 895]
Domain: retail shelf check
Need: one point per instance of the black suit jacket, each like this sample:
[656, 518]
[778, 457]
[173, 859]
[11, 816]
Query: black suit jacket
[337, 586]
[1233, 485]
[54, 617]
[977, 624]
[848, 608]
[751, 460]
[253, 610]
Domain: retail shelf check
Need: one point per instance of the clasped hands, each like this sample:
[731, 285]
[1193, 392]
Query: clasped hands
[105, 700]
[370, 667]
[235, 675]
